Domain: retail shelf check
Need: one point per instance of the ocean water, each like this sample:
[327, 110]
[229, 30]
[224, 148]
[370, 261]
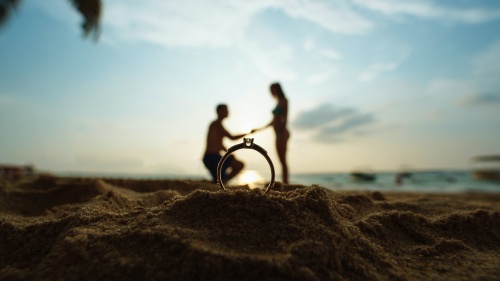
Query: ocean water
[428, 181]
[421, 181]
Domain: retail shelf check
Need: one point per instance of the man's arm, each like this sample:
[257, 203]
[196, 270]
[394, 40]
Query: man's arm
[231, 137]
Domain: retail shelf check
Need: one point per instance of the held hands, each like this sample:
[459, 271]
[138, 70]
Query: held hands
[256, 130]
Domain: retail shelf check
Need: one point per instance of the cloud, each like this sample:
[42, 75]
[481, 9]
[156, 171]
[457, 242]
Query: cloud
[333, 124]
[486, 68]
[327, 69]
[329, 53]
[223, 23]
[376, 69]
[334, 16]
[272, 62]
[192, 23]
[431, 10]
[220, 23]
[440, 88]
[320, 116]
[490, 99]
[482, 86]
[485, 72]
[346, 125]
[195, 24]
[463, 93]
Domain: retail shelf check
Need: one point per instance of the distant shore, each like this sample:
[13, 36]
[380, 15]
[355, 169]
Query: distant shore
[128, 229]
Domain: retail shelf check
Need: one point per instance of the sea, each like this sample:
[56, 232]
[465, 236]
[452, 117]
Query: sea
[416, 181]
[421, 181]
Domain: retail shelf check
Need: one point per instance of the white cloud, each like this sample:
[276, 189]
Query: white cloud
[329, 53]
[272, 62]
[222, 23]
[431, 10]
[376, 69]
[217, 24]
[192, 23]
[336, 16]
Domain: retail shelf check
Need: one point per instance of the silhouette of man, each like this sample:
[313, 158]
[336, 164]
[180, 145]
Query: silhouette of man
[215, 137]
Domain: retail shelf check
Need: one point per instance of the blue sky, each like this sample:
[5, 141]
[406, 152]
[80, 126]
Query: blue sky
[371, 83]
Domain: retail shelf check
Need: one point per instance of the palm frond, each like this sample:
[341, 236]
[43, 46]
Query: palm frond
[91, 11]
[7, 7]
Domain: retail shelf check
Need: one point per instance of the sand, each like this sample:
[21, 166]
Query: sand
[122, 229]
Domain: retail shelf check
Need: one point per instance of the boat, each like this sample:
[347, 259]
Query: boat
[401, 176]
[363, 177]
[486, 168]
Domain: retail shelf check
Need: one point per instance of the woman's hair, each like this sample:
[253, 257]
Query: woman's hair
[276, 90]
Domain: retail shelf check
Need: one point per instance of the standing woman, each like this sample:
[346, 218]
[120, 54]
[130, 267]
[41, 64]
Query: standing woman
[279, 123]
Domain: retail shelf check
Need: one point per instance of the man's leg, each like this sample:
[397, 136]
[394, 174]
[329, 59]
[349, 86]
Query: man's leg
[236, 167]
[211, 161]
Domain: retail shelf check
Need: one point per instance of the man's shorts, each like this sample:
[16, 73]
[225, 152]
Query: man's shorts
[212, 160]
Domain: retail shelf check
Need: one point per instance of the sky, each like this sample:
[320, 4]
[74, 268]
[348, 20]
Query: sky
[371, 84]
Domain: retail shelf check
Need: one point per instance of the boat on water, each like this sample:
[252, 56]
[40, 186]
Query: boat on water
[401, 176]
[363, 177]
[486, 168]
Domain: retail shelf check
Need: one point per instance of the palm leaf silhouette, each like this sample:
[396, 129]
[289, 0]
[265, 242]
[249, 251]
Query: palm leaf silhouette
[7, 7]
[91, 11]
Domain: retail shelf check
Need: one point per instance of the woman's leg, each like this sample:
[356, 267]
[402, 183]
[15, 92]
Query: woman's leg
[281, 146]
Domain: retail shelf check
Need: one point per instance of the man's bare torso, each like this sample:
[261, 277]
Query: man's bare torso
[215, 136]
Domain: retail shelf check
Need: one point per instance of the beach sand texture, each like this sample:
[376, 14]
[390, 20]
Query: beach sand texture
[119, 229]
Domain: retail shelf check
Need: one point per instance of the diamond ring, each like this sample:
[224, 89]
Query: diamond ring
[247, 144]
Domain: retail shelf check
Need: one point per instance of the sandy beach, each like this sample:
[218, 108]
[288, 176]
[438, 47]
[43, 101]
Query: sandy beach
[121, 229]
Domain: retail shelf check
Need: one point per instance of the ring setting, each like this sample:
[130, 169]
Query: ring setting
[248, 143]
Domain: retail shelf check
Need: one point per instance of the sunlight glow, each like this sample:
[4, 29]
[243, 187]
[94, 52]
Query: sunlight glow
[250, 177]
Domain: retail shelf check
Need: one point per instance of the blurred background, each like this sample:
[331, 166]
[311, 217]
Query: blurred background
[130, 87]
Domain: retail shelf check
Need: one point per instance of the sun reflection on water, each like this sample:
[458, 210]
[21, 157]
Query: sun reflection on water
[251, 178]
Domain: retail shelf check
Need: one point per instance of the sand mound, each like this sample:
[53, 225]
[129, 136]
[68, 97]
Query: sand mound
[185, 230]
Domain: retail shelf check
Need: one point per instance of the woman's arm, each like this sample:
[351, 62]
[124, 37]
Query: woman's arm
[262, 128]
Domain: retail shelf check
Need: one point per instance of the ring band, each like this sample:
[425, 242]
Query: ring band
[248, 144]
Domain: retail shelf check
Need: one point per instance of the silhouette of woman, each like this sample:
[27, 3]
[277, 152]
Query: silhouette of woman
[279, 123]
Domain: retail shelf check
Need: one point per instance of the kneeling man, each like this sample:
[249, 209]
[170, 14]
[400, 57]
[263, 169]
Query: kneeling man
[215, 137]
